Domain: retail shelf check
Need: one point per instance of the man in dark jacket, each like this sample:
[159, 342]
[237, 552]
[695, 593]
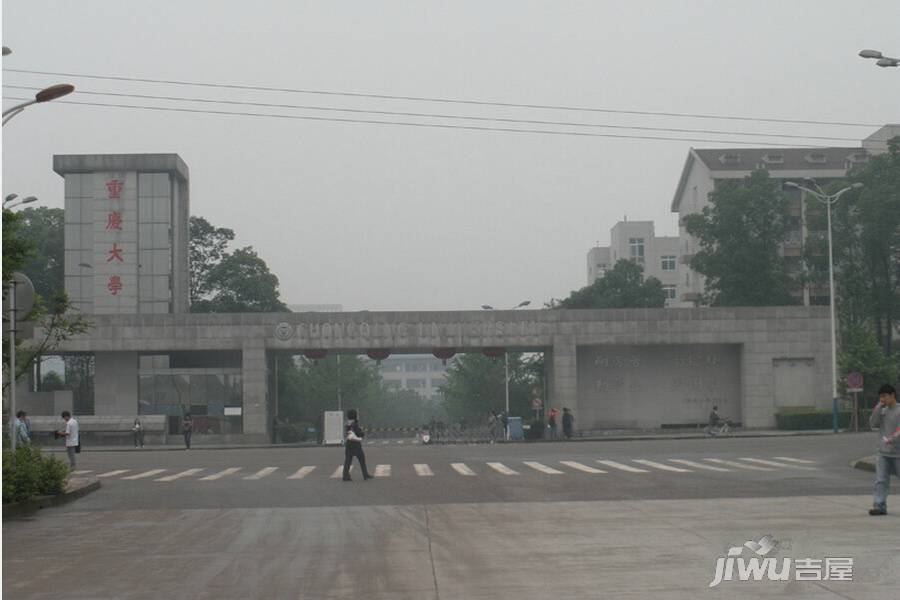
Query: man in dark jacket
[353, 435]
[568, 423]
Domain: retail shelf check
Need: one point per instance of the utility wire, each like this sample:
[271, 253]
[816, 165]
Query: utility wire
[413, 124]
[445, 116]
[436, 99]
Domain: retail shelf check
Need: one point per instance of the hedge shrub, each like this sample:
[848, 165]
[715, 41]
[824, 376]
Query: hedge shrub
[34, 474]
[818, 419]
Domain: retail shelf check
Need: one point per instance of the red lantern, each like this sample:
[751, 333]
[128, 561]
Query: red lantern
[315, 354]
[378, 354]
[444, 354]
[494, 352]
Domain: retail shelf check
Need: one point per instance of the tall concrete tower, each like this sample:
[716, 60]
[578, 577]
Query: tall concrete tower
[126, 232]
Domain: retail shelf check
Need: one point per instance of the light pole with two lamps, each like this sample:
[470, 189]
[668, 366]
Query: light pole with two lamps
[883, 61]
[8, 200]
[522, 304]
[828, 200]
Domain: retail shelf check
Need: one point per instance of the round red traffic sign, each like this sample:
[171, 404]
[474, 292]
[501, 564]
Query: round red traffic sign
[854, 380]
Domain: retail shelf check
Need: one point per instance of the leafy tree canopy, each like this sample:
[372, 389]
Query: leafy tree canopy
[623, 286]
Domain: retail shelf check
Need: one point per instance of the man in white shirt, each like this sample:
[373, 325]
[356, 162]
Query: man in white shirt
[71, 435]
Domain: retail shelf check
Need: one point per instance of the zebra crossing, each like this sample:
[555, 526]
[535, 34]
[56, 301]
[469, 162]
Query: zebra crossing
[596, 467]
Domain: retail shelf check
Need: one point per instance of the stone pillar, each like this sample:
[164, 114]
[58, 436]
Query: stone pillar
[563, 375]
[254, 371]
[116, 383]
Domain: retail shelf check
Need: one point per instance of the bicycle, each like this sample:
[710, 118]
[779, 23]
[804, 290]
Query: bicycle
[724, 428]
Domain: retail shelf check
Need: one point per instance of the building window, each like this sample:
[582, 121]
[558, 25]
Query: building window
[636, 247]
[669, 291]
[668, 263]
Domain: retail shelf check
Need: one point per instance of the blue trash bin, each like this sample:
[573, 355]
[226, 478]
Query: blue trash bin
[516, 433]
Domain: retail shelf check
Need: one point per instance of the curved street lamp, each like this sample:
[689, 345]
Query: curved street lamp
[45, 95]
[883, 61]
[27, 200]
[828, 200]
[522, 304]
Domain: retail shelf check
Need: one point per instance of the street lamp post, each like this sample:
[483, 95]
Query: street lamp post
[522, 304]
[45, 95]
[828, 200]
[11, 197]
[883, 61]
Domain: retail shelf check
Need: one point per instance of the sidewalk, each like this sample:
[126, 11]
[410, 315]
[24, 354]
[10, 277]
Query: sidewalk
[617, 435]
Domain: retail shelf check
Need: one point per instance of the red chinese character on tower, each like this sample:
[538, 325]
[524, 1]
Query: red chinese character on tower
[114, 221]
[114, 189]
[115, 284]
[115, 254]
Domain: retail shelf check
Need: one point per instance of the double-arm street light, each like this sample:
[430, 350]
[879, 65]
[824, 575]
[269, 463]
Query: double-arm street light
[522, 304]
[883, 61]
[11, 197]
[813, 189]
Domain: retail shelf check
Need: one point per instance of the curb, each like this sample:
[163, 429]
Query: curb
[866, 463]
[75, 488]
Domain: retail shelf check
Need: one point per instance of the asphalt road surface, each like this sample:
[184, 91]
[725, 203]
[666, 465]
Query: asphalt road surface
[632, 519]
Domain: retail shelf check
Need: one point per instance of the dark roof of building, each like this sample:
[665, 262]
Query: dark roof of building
[778, 159]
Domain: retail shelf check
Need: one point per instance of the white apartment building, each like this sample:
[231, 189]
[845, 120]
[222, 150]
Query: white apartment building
[703, 169]
[422, 373]
[637, 241]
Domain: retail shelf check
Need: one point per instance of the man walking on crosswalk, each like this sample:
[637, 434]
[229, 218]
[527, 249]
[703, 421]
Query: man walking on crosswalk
[886, 418]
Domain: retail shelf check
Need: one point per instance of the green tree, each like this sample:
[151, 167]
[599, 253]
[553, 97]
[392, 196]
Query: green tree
[476, 385]
[240, 282]
[16, 247]
[207, 248]
[740, 234]
[44, 228]
[52, 382]
[623, 286]
[860, 352]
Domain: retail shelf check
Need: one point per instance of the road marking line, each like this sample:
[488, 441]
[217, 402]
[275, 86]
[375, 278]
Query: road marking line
[502, 469]
[382, 470]
[581, 467]
[302, 472]
[385, 442]
[796, 460]
[543, 468]
[423, 470]
[150, 473]
[220, 474]
[621, 467]
[661, 466]
[463, 469]
[339, 472]
[82, 472]
[732, 463]
[780, 465]
[113, 473]
[264, 472]
[187, 473]
[697, 465]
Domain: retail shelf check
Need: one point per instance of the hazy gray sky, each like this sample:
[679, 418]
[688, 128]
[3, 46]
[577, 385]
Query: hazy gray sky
[388, 217]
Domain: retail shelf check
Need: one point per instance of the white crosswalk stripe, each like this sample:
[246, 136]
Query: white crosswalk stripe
[175, 476]
[696, 465]
[113, 473]
[796, 460]
[661, 466]
[149, 473]
[462, 469]
[780, 465]
[220, 474]
[423, 470]
[581, 467]
[731, 463]
[382, 470]
[502, 469]
[621, 467]
[82, 472]
[339, 472]
[265, 472]
[542, 468]
[302, 472]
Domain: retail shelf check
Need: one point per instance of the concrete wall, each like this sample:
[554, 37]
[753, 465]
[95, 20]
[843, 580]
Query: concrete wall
[116, 383]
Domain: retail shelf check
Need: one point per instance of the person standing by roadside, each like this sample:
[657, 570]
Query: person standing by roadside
[568, 423]
[886, 418]
[73, 440]
[138, 430]
[353, 445]
[552, 423]
[187, 428]
[23, 436]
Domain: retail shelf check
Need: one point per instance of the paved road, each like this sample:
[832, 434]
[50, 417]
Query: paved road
[458, 522]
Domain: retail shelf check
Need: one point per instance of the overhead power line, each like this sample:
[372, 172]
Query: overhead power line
[446, 116]
[437, 99]
[413, 124]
